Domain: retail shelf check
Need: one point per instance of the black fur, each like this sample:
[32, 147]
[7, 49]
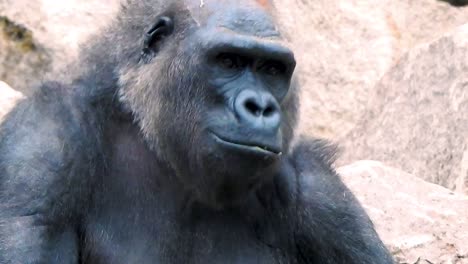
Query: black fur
[142, 153]
[458, 3]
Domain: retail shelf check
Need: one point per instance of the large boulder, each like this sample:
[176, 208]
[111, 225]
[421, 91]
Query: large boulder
[345, 46]
[421, 222]
[42, 36]
[22, 59]
[417, 118]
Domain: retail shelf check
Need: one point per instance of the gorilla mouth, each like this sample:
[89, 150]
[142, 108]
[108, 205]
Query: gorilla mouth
[249, 147]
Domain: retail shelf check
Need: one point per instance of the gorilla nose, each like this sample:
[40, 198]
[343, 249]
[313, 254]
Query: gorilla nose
[259, 110]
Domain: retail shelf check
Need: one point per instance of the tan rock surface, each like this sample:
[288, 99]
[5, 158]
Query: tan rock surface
[345, 46]
[416, 219]
[22, 58]
[417, 119]
[58, 28]
[8, 99]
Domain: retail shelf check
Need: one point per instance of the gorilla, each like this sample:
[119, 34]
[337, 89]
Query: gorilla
[170, 141]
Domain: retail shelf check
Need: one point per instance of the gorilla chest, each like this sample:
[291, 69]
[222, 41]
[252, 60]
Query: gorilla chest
[140, 216]
[115, 238]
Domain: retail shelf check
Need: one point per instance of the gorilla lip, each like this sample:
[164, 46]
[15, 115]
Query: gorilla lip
[248, 146]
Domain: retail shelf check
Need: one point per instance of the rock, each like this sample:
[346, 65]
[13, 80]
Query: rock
[8, 99]
[416, 219]
[22, 59]
[344, 47]
[417, 118]
[55, 29]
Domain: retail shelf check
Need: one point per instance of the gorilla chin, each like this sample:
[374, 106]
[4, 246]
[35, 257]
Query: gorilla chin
[223, 185]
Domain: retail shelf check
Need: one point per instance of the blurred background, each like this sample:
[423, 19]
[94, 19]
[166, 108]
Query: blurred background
[385, 79]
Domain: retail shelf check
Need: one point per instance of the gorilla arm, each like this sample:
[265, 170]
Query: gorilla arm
[332, 226]
[39, 183]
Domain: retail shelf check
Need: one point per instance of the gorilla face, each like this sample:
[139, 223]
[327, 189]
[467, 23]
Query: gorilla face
[222, 93]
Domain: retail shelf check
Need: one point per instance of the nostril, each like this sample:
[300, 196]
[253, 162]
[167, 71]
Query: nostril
[269, 111]
[253, 108]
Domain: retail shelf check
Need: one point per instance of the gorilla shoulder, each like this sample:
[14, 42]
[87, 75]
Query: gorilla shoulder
[41, 140]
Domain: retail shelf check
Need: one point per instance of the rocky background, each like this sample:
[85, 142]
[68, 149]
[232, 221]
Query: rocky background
[386, 79]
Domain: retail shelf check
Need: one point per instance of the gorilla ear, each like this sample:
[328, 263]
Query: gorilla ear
[163, 27]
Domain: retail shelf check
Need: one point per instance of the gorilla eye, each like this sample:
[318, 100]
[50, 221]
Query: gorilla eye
[274, 68]
[230, 61]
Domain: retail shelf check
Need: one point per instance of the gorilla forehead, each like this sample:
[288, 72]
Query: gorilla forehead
[250, 17]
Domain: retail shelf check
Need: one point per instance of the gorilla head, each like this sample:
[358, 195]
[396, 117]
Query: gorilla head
[211, 93]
